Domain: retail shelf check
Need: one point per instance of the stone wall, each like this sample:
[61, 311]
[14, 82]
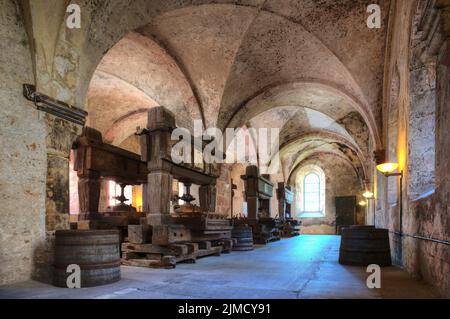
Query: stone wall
[341, 180]
[23, 157]
[34, 157]
[418, 88]
[428, 213]
[396, 98]
[36, 148]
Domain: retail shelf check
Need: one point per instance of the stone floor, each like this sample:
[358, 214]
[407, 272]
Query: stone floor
[300, 267]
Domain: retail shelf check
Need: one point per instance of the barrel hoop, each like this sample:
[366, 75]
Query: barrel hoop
[244, 240]
[363, 251]
[369, 236]
[364, 231]
[90, 266]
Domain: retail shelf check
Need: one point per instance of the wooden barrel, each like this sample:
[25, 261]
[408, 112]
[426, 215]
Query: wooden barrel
[97, 253]
[362, 246]
[244, 238]
[362, 227]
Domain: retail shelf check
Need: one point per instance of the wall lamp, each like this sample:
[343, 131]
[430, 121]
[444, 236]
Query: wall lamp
[368, 195]
[362, 203]
[387, 169]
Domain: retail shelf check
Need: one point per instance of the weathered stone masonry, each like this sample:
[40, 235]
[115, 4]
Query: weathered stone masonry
[337, 91]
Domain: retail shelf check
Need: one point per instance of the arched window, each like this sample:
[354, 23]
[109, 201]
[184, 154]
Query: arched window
[311, 193]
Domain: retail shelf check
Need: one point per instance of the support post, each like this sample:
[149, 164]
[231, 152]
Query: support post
[145, 201]
[89, 195]
[160, 124]
[207, 194]
[281, 196]
[156, 148]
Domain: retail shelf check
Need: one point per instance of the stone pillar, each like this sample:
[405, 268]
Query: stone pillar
[60, 135]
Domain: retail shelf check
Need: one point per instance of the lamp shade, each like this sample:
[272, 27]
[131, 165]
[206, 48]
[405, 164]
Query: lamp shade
[362, 203]
[387, 167]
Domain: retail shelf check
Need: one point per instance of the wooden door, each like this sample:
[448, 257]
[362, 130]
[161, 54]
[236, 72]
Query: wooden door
[345, 212]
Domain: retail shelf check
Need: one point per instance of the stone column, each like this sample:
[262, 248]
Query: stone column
[60, 135]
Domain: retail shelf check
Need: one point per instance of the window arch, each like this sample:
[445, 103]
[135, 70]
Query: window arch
[310, 192]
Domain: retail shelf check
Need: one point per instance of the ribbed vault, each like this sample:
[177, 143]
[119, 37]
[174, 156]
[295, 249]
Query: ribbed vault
[254, 64]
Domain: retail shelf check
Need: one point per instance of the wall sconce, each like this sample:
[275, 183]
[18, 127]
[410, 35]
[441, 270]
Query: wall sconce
[368, 194]
[362, 203]
[387, 169]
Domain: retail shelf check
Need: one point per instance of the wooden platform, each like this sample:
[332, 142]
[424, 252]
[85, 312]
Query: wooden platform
[292, 231]
[265, 240]
[262, 235]
[155, 256]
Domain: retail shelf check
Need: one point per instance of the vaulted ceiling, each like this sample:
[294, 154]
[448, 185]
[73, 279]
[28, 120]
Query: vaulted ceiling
[311, 68]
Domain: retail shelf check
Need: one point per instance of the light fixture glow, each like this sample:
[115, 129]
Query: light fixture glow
[368, 194]
[387, 167]
[362, 203]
